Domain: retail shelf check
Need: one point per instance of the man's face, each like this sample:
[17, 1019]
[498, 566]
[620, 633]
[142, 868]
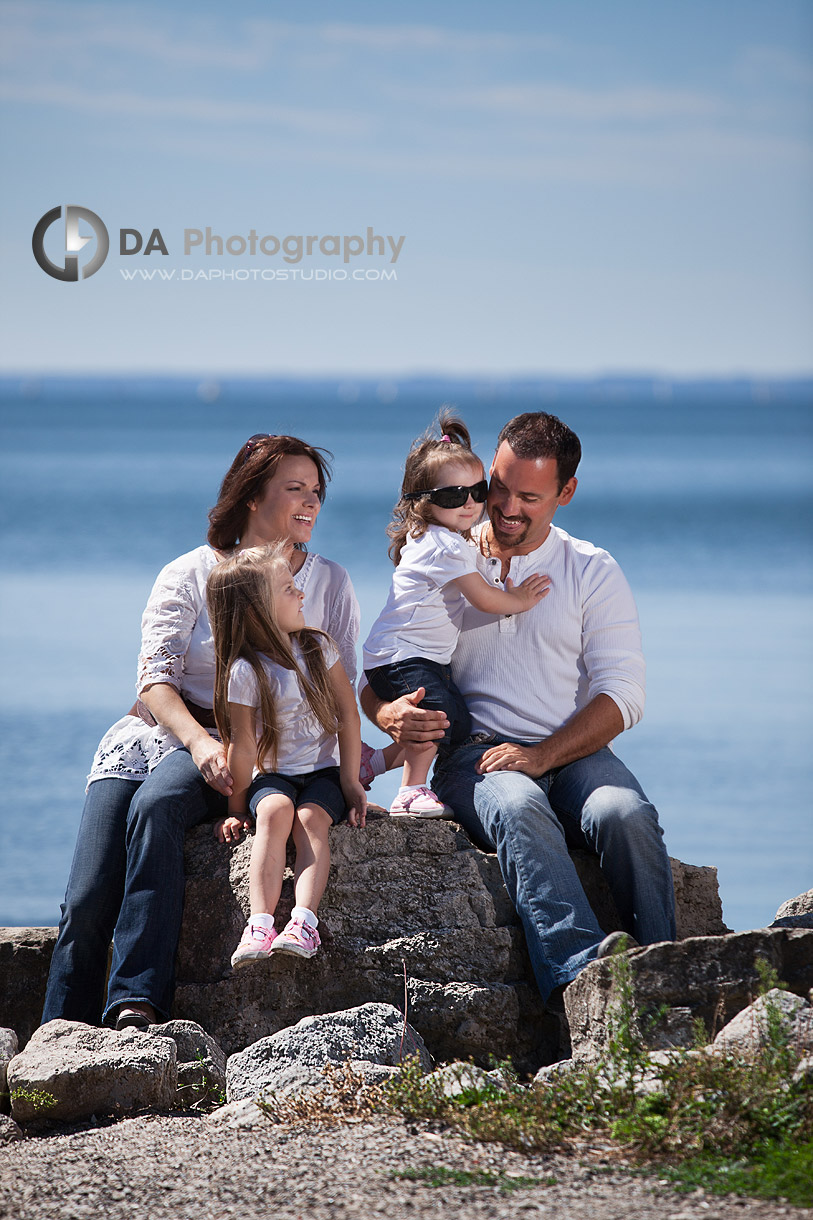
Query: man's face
[522, 498]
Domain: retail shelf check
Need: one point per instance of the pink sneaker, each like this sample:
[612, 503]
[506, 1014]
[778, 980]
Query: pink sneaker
[421, 803]
[255, 945]
[299, 939]
[366, 773]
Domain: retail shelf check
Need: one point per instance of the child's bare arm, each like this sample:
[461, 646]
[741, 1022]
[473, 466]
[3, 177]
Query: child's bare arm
[242, 755]
[491, 600]
[349, 746]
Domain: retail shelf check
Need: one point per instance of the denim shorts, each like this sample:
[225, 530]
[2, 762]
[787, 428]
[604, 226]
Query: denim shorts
[389, 682]
[313, 788]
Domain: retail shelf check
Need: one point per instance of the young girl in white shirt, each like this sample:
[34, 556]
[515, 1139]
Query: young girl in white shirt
[285, 706]
[412, 641]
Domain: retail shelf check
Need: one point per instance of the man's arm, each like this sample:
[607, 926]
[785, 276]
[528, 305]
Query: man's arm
[402, 719]
[589, 730]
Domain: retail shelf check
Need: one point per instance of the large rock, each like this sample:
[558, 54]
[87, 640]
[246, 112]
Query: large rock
[675, 984]
[201, 1063]
[25, 955]
[292, 1060]
[8, 1049]
[69, 1071]
[777, 1013]
[796, 912]
[404, 897]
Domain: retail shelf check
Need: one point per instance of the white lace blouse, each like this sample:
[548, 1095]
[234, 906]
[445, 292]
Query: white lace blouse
[177, 649]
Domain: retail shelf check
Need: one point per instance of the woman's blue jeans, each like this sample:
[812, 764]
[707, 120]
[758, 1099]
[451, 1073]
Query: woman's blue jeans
[127, 882]
[594, 803]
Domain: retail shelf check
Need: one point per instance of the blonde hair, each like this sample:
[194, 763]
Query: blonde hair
[241, 612]
[428, 454]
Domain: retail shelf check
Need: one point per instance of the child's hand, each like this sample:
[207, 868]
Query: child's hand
[531, 591]
[230, 829]
[356, 799]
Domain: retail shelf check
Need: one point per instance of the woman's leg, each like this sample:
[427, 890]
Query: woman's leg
[92, 901]
[171, 801]
[275, 816]
[311, 826]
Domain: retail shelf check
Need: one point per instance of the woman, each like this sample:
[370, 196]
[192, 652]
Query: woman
[150, 783]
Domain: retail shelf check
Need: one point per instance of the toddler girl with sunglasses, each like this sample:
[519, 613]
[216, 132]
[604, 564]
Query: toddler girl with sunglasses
[284, 705]
[412, 641]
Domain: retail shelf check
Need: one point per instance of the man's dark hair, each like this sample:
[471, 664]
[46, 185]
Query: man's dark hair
[539, 435]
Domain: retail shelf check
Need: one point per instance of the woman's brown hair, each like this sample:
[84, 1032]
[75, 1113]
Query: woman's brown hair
[241, 612]
[245, 479]
[429, 453]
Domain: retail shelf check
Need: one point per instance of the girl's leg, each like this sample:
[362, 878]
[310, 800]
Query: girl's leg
[417, 761]
[311, 826]
[275, 817]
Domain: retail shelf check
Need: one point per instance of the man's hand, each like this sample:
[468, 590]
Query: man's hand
[209, 756]
[409, 724]
[508, 757]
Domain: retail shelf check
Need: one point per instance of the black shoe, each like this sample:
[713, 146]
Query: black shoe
[616, 942]
[131, 1018]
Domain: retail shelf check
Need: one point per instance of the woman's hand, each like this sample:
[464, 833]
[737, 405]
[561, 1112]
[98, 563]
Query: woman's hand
[230, 829]
[209, 756]
[356, 799]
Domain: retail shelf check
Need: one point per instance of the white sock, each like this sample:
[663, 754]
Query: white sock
[405, 789]
[263, 920]
[378, 763]
[303, 915]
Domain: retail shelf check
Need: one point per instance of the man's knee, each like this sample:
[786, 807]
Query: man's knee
[618, 810]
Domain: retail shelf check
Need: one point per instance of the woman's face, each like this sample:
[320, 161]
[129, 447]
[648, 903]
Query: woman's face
[287, 506]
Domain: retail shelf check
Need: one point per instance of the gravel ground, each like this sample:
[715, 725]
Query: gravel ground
[182, 1168]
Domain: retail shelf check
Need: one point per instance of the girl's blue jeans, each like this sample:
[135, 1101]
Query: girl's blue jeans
[594, 803]
[127, 882]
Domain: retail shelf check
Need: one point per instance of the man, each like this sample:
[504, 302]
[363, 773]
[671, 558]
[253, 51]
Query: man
[548, 690]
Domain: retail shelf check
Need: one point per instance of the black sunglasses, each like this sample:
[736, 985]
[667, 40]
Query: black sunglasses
[253, 442]
[452, 497]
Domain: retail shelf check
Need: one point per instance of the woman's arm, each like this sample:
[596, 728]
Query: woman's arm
[208, 755]
[349, 745]
[492, 600]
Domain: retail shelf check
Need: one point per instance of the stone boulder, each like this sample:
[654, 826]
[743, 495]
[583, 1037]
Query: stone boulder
[773, 1013]
[796, 912]
[404, 898]
[8, 1049]
[292, 1060]
[69, 1071]
[9, 1131]
[675, 984]
[201, 1062]
[25, 955]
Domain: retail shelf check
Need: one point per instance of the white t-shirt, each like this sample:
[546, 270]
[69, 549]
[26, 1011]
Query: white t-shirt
[525, 675]
[422, 616]
[177, 649]
[304, 745]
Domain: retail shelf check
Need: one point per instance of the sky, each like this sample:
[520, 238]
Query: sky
[582, 186]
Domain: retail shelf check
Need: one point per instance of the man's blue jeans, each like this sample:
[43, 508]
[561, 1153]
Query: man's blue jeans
[594, 803]
[127, 882]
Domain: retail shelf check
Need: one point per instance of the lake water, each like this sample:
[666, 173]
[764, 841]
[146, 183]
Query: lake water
[702, 493]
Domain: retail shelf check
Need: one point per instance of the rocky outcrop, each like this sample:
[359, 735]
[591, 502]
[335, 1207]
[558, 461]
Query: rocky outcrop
[796, 912]
[25, 955]
[69, 1071]
[404, 898]
[293, 1059]
[8, 1049]
[777, 1014]
[675, 984]
[201, 1063]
